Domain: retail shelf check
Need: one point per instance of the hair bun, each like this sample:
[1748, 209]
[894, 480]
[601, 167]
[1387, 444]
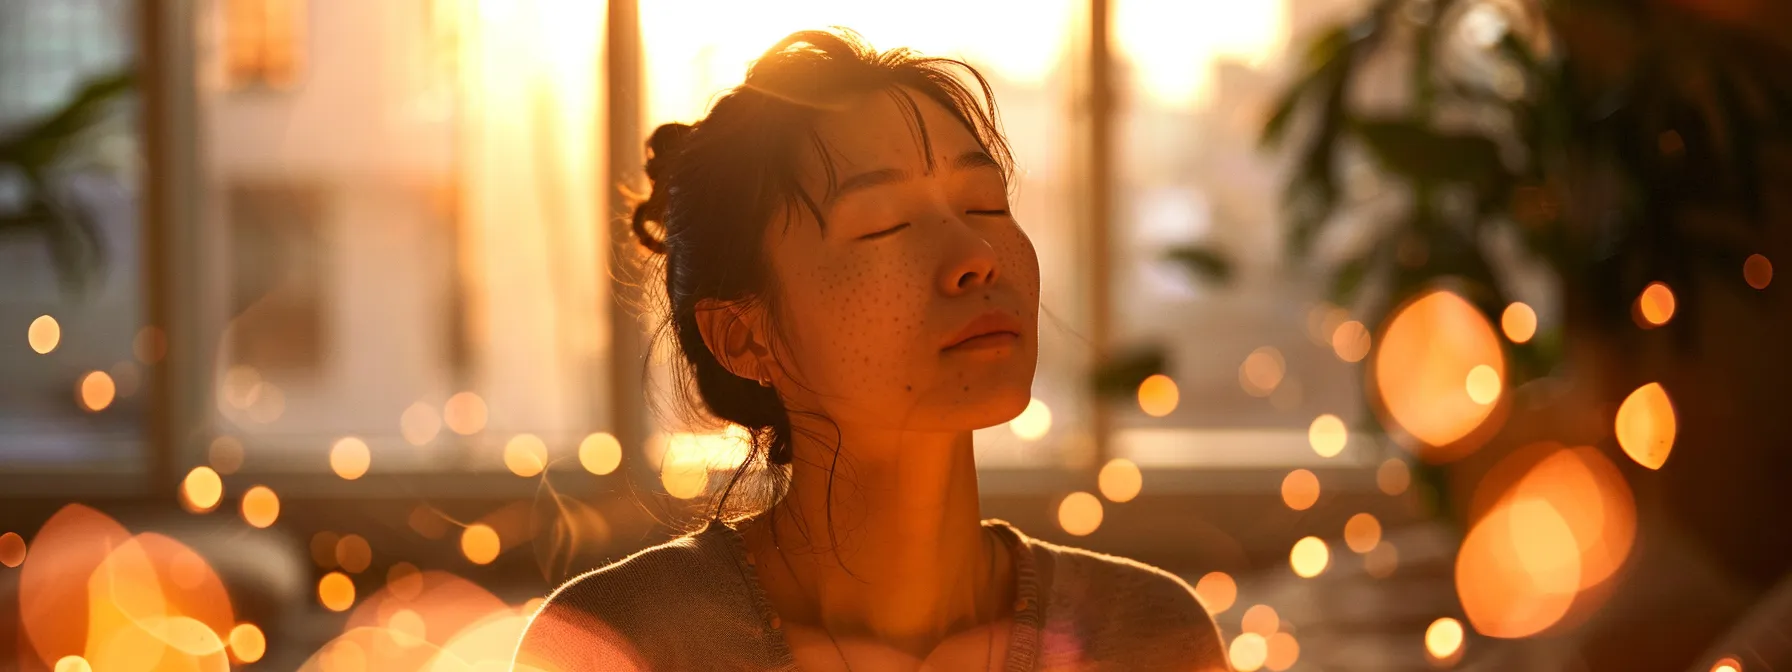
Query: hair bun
[663, 146]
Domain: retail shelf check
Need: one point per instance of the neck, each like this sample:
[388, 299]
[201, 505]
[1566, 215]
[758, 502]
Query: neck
[902, 556]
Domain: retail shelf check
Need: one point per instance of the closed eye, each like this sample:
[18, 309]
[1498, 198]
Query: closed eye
[885, 232]
[988, 213]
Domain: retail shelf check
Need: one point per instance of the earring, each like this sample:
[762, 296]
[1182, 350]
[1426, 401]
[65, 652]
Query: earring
[765, 382]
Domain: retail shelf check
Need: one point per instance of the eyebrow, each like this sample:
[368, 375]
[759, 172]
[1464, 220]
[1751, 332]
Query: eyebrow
[975, 158]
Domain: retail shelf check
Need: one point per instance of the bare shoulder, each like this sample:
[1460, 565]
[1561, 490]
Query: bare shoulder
[1142, 610]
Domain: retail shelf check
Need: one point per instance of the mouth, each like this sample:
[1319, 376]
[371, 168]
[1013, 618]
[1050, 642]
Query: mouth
[989, 341]
[989, 330]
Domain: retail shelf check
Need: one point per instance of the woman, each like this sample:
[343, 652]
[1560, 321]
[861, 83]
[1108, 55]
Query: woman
[844, 280]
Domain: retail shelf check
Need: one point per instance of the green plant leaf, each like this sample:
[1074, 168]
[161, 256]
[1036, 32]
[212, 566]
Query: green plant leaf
[1413, 150]
[1204, 261]
[1120, 377]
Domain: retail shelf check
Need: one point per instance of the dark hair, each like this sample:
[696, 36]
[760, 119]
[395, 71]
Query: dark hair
[718, 183]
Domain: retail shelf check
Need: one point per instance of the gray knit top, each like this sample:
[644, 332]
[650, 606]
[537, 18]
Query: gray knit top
[695, 603]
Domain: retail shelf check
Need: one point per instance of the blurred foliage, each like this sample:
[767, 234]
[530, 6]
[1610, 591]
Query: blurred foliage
[34, 153]
[1587, 130]
[1613, 139]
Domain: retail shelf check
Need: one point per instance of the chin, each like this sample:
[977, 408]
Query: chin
[998, 402]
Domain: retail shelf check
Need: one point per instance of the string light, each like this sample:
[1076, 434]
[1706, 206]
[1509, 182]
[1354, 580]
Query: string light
[1079, 513]
[1120, 480]
[44, 334]
[1158, 395]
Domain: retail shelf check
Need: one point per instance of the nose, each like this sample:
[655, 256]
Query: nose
[972, 263]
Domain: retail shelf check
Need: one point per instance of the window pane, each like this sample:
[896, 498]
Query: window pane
[405, 218]
[73, 397]
[1029, 63]
[1251, 357]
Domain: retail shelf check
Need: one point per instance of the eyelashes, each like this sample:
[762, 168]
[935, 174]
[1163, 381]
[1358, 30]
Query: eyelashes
[892, 230]
[885, 232]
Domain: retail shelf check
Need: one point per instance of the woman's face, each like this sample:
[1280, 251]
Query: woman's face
[913, 256]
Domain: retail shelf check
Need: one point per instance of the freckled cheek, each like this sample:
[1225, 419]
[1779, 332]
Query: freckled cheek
[868, 322]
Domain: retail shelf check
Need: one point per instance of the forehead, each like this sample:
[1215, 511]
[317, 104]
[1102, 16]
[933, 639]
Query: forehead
[885, 129]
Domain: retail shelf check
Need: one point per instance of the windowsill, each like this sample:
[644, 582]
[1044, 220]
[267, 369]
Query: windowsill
[1172, 461]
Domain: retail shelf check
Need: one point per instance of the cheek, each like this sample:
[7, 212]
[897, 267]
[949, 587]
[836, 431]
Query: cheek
[862, 319]
[1018, 255]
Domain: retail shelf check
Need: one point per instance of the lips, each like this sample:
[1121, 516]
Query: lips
[992, 322]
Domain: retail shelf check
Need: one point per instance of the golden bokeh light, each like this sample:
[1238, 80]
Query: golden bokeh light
[1393, 476]
[1158, 395]
[1655, 306]
[1381, 561]
[1249, 651]
[1260, 619]
[1327, 435]
[201, 489]
[267, 402]
[1284, 652]
[1217, 592]
[465, 413]
[1323, 321]
[350, 458]
[12, 549]
[345, 656]
[261, 507]
[225, 454]
[526, 455]
[73, 664]
[1120, 480]
[1350, 341]
[600, 453]
[408, 627]
[1443, 638]
[1583, 486]
[420, 423]
[1300, 489]
[149, 345]
[405, 581]
[1483, 384]
[44, 334]
[1079, 513]
[336, 591]
[1646, 425]
[1519, 322]
[240, 383]
[1362, 533]
[479, 543]
[1033, 423]
[1757, 271]
[1427, 351]
[1309, 557]
[1262, 371]
[97, 391]
[353, 554]
[1727, 664]
[1518, 569]
[247, 643]
[323, 549]
[684, 479]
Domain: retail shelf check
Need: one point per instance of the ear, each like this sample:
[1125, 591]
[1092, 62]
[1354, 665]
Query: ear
[732, 333]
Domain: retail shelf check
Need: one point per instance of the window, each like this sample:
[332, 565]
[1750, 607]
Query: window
[406, 243]
[1252, 356]
[70, 307]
